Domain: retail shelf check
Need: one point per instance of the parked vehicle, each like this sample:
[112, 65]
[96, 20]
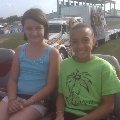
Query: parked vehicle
[2, 32]
[59, 34]
[92, 15]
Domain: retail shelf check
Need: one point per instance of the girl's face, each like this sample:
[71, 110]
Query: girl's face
[82, 42]
[34, 31]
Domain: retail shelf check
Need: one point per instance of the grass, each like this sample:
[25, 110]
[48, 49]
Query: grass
[111, 47]
[11, 40]
[112, 23]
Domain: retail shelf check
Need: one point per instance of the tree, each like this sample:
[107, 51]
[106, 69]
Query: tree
[12, 19]
[1, 20]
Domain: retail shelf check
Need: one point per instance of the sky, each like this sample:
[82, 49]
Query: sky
[18, 7]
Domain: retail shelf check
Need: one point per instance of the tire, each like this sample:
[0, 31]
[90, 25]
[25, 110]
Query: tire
[63, 54]
[96, 44]
[116, 36]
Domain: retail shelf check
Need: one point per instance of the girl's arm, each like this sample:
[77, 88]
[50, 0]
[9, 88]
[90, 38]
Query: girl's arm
[52, 79]
[101, 112]
[12, 81]
[12, 84]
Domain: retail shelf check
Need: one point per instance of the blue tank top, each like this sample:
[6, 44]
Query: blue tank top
[33, 74]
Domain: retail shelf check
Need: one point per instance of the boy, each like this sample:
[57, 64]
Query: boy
[87, 83]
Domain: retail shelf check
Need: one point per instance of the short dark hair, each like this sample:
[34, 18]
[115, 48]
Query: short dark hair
[39, 16]
[81, 25]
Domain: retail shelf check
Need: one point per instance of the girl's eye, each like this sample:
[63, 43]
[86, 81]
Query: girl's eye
[29, 28]
[39, 28]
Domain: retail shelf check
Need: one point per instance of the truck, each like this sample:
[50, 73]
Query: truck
[59, 34]
[92, 15]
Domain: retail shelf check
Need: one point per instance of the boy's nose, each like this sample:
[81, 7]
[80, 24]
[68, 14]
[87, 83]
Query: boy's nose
[80, 44]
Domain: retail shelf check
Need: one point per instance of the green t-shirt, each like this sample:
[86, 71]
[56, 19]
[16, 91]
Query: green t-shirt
[84, 84]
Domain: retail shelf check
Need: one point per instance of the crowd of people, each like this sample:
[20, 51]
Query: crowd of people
[86, 83]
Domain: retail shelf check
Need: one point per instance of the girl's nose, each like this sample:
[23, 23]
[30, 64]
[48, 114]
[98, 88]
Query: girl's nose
[34, 32]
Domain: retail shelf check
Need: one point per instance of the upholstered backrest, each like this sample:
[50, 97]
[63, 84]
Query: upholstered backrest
[6, 57]
[112, 60]
[6, 54]
[115, 63]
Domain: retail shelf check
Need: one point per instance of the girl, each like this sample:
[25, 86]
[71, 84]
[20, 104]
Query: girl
[34, 72]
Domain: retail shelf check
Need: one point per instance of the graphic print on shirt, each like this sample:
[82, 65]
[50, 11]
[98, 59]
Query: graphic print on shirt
[76, 82]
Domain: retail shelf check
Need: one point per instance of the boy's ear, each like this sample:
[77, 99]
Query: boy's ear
[94, 41]
[25, 37]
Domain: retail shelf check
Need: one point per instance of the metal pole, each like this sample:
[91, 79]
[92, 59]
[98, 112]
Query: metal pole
[58, 5]
[85, 2]
[104, 8]
[69, 2]
[110, 7]
[115, 10]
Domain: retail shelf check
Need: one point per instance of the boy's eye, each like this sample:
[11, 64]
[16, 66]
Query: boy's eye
[85, 40]
[74, 41]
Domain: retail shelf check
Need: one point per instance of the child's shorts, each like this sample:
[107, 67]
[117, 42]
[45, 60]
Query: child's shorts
[41, 108]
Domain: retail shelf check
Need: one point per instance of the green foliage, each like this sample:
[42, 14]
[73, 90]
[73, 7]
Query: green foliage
[111, 47]
[10, 19]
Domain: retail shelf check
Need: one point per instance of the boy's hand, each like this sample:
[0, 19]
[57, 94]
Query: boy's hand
[82, 118]
[60, 117]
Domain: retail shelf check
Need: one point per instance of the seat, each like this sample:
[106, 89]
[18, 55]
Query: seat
[6, 57]
[113, 61]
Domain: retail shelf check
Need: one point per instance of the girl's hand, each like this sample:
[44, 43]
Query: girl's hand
[15, 105]
[27, 103]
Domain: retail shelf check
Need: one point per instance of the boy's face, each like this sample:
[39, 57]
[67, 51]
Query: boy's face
[82, 42]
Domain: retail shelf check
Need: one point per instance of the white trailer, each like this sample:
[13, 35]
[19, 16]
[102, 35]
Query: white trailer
[59, 34]
[94, 16]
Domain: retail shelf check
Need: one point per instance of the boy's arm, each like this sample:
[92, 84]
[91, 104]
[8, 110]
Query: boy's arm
[118, 73]
[101, 112]
[60, 104]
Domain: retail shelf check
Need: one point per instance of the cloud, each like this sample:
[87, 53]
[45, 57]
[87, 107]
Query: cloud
[18, 7]
[7, 9]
